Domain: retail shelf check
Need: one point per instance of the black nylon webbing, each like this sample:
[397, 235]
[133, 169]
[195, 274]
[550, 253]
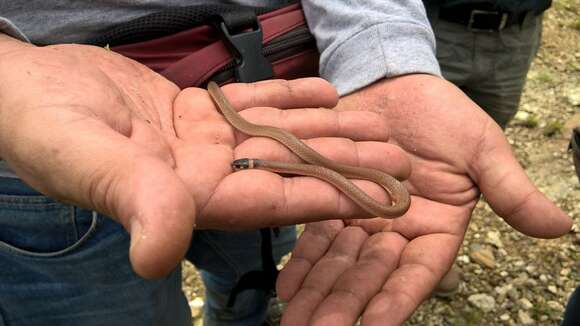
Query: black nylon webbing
[171, 21]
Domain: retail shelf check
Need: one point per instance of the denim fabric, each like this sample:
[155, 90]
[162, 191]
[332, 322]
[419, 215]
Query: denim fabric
[61, 265]
[222, 258]
[572, 313]
[490, 67]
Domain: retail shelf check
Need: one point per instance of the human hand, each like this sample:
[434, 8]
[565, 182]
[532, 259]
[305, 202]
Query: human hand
[87, 126]
[383, 269]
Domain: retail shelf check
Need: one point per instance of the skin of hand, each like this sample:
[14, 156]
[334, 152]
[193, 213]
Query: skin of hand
[86, 126]
[381, 270]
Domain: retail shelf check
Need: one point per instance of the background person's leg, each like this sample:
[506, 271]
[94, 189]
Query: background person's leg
[222, 258]
[490, 67]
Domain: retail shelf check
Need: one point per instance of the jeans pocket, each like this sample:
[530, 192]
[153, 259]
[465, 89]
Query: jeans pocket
[34, 225]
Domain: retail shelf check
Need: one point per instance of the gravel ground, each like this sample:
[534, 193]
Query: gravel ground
[509, 278]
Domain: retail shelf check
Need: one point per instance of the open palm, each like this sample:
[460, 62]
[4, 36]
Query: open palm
[383, 269]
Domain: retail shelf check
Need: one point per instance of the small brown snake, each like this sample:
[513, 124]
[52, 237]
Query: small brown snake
[319, 167]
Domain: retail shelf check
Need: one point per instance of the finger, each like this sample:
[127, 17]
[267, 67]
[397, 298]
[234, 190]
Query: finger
[310, 123]
[103, 170]
[377, 155]
[423, 262]
[285, 201]
[342, 254]
[510, 192]
[284, 94]
[195, 116]
[310, 247]
[359, 283]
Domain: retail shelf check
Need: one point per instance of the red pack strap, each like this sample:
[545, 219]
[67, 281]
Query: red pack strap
[195, 56]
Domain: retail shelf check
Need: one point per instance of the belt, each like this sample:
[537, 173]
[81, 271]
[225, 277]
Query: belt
[481, 18]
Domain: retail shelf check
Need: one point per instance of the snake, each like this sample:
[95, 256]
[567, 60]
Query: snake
[317, 165]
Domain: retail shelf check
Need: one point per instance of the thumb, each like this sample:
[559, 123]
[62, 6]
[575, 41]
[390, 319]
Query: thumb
[510, 192]
[91, 165]
[159, 213]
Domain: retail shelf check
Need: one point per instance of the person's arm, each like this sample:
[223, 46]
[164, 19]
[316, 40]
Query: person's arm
[362, 42]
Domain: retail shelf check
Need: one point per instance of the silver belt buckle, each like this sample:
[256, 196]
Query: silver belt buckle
[476, 12]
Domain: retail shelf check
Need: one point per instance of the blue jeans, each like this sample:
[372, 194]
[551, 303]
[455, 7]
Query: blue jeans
[62, 265]
[572, 314]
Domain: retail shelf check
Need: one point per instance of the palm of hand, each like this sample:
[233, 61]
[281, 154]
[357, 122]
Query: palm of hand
[383, 269]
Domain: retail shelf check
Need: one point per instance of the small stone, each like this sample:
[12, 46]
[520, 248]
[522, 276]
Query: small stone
[556, 306]
[521, 279]
[522, 116]
[484, 302]
[504, 317]
[503, 289]
[531, 283]
[483, 256]
[494, 238]
[519, 263]
[526, 304]
[503, 273]
[573, 96]
[196, 306]
[565, 271]
[531, 269]
[543, 278]
[524, 318]
[553, 289]
[464, 259]
[513, 294]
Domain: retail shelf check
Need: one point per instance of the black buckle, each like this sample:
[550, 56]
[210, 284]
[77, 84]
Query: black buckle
[479, 21]
[247, 50]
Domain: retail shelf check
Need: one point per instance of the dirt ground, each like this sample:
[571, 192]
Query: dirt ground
[509, 278]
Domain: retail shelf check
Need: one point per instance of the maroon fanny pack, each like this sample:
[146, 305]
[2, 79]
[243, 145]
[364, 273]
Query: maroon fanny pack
[233, 45]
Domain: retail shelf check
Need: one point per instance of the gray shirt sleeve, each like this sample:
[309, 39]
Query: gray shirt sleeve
[360, 41]
[8, 28]
[363, 41]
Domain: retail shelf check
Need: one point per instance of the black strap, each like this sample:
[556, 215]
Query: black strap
[171, 21]
[264, 279]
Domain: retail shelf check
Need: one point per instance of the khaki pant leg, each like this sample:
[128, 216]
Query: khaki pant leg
[490, 67]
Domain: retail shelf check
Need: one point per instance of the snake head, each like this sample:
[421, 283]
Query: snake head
[243, 164]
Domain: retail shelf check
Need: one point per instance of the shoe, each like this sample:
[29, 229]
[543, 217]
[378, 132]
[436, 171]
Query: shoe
[449, 284]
